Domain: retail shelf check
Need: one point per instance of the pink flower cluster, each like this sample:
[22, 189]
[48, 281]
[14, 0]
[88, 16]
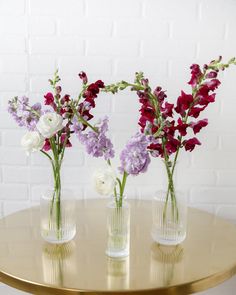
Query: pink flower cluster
[169, 123]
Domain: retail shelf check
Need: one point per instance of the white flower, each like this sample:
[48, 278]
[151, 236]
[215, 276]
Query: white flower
[32, 141]
[49, 124]
[104, 181]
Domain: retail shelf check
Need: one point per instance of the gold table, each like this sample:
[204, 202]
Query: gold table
[206, 258]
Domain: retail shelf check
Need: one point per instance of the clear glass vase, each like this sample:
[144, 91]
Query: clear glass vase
[58, 224]
[118, 228]
[169, 213]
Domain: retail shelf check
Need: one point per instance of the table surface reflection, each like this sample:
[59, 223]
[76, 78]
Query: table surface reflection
[206, 258]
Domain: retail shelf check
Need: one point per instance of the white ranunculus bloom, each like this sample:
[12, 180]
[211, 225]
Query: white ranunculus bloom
[104, 181]
[49, 124]
[32, 141]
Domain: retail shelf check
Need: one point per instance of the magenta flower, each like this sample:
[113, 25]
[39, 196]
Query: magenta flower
[199, 125]
[191, 143]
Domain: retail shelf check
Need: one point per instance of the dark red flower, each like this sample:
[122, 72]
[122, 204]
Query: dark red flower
[156, 149]
[167, 110]
[196, 75]
[172, 144]
[206, 99]
[183, 103]
[99, 84]
[191, 143]
[147, 115]
[83, 77]
[199, 125]
[195, 111]
[169, 128]
[212, 74]
[47, 145]
[68, 143]
[212, 84]
[49, 98]
[181, 127]
[160, 95]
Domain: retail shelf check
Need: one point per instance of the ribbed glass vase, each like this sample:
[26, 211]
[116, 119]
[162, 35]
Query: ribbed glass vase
[58, 224]
[118, 228]
[169, 218]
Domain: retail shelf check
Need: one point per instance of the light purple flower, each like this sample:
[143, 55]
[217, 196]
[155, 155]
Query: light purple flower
[23, 113]
[97, 143]
[134, 157]
[77, 126]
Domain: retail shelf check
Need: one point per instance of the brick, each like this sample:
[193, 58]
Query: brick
[169, 49]
[195, 177]
[226, 178]
[13, 191]
[12, 44]
[113, 8]
[214, 30]
[40, 84]
[73, 175]
[73, 158]
[12, 156]
[38, 159]
[14, 64]
[85, 27]
[213, 195]
[15, 174]
[208, 52]
[7, 120]
[171, 10]
[213, 160]
[13, 25]
[12, 7]
[112, 47]
[8, 80]
[223, 10]
[37, 191]
[144, 28]
[57, 8]
[40, 25]
[154, 69]
[56, 45]
[42, 65]
[119, 122]
[41, 175]
[126, 103]
[91, 65]
[228, 142]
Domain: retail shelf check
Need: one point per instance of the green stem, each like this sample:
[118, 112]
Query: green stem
[57, 184]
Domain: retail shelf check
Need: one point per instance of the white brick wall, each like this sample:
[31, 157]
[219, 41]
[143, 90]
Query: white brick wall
[110, 40]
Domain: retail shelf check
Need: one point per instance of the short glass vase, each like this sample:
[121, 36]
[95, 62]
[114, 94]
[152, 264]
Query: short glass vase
[169, 213]
[118, 228]
[58, 222]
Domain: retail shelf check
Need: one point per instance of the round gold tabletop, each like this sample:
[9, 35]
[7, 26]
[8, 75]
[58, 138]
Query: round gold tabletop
[206, 258]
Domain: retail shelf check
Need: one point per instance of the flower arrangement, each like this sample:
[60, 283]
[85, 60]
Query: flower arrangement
[134, 158]
[167, 124]
[51, 127]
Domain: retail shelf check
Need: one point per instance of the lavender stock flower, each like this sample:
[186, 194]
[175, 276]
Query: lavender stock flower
[23, 113]
[97, 143]
[134, 157]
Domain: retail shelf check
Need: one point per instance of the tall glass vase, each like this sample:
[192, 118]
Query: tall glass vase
[169, 213]
[57, 207]
[118, 227]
